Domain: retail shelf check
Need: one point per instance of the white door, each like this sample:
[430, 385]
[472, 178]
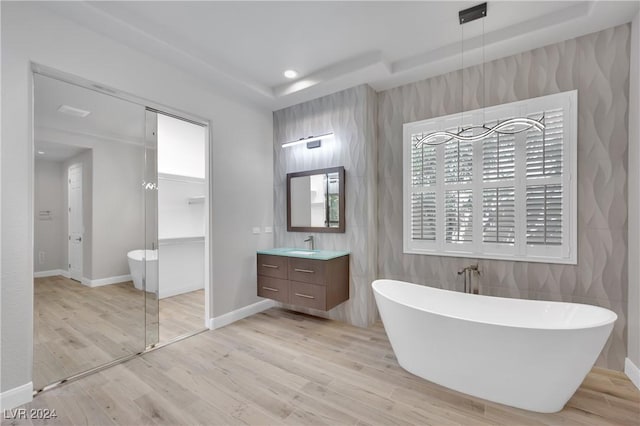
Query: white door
[75, 222]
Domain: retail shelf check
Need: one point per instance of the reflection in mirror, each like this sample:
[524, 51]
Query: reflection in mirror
[89, 215]
[315, 200]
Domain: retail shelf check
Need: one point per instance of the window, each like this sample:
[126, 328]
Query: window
[507, 196]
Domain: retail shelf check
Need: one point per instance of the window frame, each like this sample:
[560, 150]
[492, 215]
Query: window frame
[565, 253]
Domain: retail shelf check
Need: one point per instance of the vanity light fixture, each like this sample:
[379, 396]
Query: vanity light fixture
[291, 74]
[311, 141]
[75, 112]
[507, 127]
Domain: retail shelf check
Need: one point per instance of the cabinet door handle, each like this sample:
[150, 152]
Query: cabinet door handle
[306, 271]
[265, 265]
[270, 288]
[305, 296]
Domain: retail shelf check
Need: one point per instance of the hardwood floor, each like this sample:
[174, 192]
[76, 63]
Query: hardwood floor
[181, 314]
[281, 367]
[78, 328]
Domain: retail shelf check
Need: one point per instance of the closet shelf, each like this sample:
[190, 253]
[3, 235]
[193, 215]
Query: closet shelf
[196, 200]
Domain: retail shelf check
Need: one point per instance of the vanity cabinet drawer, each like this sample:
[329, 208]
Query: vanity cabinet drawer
[307, 270]
[272, 266]
[308, 295]
[313, 283]
[273, 288]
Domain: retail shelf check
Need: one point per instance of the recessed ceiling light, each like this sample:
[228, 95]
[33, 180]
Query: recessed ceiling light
[41, 152]
[290, 74]
[75, 112]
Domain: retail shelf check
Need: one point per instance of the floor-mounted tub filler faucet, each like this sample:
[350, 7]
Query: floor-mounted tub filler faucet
[310, 241]
[468, 272]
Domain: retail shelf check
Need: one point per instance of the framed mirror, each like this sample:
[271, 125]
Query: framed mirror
[315, 200]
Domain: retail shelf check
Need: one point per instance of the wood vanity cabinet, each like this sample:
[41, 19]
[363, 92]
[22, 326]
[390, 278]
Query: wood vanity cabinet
[312, 283]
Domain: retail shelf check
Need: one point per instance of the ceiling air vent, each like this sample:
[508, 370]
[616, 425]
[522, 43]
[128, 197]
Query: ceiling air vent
[75, 112]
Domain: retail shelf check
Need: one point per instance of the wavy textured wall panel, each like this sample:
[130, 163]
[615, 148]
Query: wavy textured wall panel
[597, 65]
[351, 115]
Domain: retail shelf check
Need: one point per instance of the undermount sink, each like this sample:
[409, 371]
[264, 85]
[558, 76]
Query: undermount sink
[302, 252]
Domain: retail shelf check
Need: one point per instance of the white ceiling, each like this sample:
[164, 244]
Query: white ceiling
[242, 48]
[111, 119]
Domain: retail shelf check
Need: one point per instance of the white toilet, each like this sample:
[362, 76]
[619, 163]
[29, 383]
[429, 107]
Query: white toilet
[137, 260]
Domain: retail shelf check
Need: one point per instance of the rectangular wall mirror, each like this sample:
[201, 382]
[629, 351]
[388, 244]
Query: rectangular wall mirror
[315, 200]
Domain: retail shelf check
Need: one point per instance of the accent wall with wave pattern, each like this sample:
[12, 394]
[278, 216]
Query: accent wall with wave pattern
[597, 65]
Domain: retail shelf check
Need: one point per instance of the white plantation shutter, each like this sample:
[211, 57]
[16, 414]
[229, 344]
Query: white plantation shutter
[458, 161]
[459, 216]
[507, 196]
[423, 216]
[498, 215]
[498, 156]
[544, 214]
[423, 164]
[544, 149]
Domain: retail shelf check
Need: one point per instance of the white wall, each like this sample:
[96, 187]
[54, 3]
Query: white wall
[118, 215]
[49, 232]
[177, 218]
[633, 330]
[113, 208]
[180, 147]
[242, 196]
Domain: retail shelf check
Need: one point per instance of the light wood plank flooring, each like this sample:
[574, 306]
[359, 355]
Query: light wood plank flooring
[78, 327]
[280, 367]
[181, 314]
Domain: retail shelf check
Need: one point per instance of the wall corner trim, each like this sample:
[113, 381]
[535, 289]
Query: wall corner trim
[632, 371]
[15, 397]
[238, 314]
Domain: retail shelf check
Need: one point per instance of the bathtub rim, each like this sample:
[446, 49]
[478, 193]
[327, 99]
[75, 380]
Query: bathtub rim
[137, 255]
[612, 316]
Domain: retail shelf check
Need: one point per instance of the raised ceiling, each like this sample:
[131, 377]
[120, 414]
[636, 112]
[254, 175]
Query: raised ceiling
[242, 48]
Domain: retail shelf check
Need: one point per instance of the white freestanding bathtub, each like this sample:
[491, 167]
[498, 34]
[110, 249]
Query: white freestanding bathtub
[144, 263]
[523, 353]
[180, 270]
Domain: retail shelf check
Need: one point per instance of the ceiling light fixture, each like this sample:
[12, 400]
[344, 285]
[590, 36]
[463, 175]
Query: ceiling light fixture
[311, 141]
[507, 127]
[72, 111]
[41, 152]
[290, 74]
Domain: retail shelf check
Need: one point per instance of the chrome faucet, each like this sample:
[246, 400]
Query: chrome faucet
[310, 240]
[468, 271]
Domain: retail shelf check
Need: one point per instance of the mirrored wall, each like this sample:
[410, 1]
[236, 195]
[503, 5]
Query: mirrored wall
[90, 228]
[120, 214]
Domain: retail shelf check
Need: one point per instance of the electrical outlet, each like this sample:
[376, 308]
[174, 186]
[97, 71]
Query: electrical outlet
[40, 257]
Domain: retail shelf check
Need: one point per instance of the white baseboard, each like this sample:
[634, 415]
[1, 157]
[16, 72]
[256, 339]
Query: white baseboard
[632, 371]
[16, 397]
[241, 313]
[51, 273]
[106, 281]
